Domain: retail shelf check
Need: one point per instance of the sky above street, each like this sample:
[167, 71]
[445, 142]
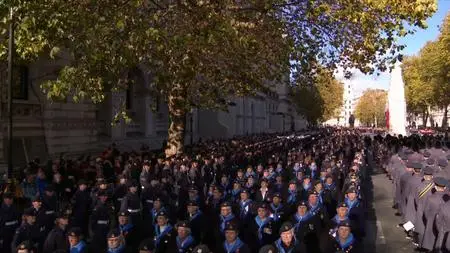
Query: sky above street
[413, 44]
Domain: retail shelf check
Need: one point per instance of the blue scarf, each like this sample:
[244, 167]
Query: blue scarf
[279, 245]
[225, 220]
[292, 197]
[249, 174]
[235, 194]
[120, 249]
[307, 187]
[184, 245]
[337, 220]
[159, 235]
[303, 218]
[78, 247]
[321, 197]
[351, 204]
[232, 248]
[125, 228]
[314, 209]
[243, 205]
[347, 242]
[330, 187]
[154, 212]
[275, 211]
[261, 224]
[197, 214]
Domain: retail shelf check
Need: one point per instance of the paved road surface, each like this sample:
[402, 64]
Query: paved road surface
[382, 234]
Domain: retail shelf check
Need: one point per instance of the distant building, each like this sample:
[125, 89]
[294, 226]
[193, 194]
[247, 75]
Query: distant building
[350, 100]
[45, 129]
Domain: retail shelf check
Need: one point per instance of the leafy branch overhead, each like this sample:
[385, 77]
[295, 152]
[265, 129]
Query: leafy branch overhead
[201, 53]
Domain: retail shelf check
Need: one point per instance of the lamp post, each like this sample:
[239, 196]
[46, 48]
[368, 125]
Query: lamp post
[10, 91]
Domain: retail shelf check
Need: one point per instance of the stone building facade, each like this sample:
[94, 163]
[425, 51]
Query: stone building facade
[50, 129]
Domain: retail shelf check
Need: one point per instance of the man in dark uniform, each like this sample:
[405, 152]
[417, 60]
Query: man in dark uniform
[277, 210]
[26, 247]
[261, 229]
[44, 221]
[76, 245]
[132, 203]
[219, 223]
[164, 232]
[292, 197]
[119, 192]
[245, 207]
[185, 243]
[402, 186]
[307, 227]
[263, 193]
[28, 231]
[410, 192]
[9, 222]
[317, 209]
[232, 243]
[81, 202]
[432, 206]
[128, 231]
[147, 246]
[50, 201]
[356, 212]
[101, 221]
[116, 243]
[57, 239]
[342, 241]
[421, 193]
[287, 241]
[197, 221]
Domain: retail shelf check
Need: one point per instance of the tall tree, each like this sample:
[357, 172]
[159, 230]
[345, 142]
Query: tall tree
[418, 93]
[427, 76]
[320, 101]
[202, 52]
[370, 107]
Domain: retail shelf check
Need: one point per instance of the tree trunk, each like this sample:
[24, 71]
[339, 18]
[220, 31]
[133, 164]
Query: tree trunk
[177, 112]
[444, 118]
[425, 118]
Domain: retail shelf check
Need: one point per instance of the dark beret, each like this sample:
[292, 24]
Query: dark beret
[428, 170]
[76, 231]
[440, 181]
[286, 226]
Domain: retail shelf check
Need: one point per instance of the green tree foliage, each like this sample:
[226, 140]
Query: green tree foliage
[427, 76]
[371, 107]
[419, 95]
[320, 101]
[201, 52]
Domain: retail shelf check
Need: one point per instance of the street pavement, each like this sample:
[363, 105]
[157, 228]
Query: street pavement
[383, 235]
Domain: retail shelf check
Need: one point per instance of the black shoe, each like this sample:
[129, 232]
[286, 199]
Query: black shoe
[398, 214]
[400, 225]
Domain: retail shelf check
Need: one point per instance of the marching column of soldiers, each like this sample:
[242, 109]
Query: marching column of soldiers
[261, 193]
[420, 172]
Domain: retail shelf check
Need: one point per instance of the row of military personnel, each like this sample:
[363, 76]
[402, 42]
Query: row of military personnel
[291, 206]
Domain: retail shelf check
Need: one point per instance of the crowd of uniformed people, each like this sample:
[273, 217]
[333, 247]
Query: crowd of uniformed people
[262, 193]
[420, 172]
